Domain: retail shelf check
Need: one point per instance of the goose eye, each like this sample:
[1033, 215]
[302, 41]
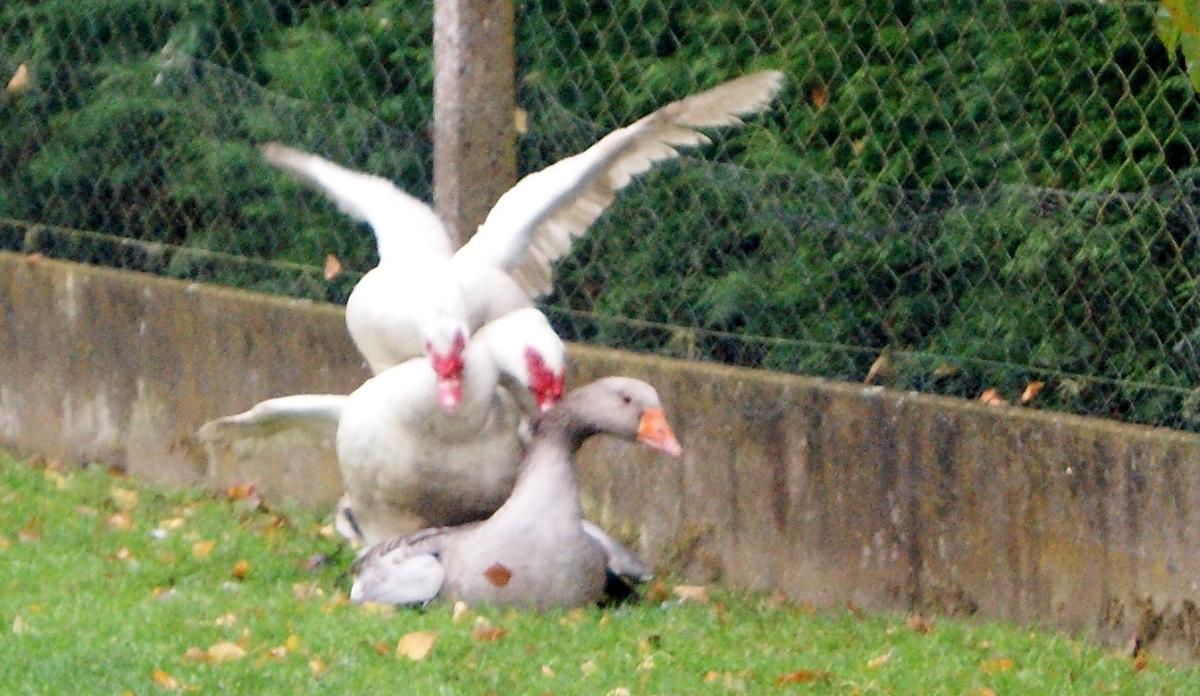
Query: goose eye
[626, 398]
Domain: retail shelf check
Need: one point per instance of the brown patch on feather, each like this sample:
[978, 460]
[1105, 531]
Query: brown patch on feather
[497, 574]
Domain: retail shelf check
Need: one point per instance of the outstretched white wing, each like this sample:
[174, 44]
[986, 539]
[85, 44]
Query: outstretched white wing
[401, 222]
[534, 223]
[318, 413]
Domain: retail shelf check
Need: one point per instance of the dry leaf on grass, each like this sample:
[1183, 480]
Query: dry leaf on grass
[19, 626]
[416, 645]
[802, 676]
[376, 608]
[317, 666]
[547, 672]
[239, 491]
[1000, 664]
[123, 498]
[1140, 662]
[691, 593]
[240, 569]
[224, 651]
[879, 660]
[656, 591]
[31, 532]
[306, 590]
[195, 654]
[919, 624]
[485, 632]
[983, 691]
[459, 612]
[164, 681]
[120, 522]
[201, 549]
[587, 667]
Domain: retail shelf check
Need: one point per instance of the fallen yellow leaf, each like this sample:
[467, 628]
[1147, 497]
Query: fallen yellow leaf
[120, 522]
[484, 632]
[292, 643]
[802, 676]
[1031, 391]
[18, 625]
[879, 660]
[1000, 664]
[520, 121]
[333, 267]
[984, 691]
[691, 593]
[712, 675]
[164, 680]
[317, 666]
[226, 620]
[919, 624]
[195, 654]
[201, 549]
[547, 672]
[4, 543]
[416, 645]
[30, 533]
[125, 499]
[992, 397]
[459, 612]
[376, 609]
[19, 81]
[225, 651]
[307, 590]
[240, 569]
[587, 667]
[239, 491]
[656, 591]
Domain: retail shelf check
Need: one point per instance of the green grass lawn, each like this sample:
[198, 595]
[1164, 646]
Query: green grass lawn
[109, 587]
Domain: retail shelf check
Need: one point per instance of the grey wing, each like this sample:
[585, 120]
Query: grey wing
[429, 541]
[404, 569]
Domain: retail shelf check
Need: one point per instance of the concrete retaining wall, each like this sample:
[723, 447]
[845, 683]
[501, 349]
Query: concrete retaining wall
[831, 492]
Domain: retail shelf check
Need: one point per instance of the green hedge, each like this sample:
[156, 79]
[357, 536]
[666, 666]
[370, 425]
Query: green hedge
[997, 192]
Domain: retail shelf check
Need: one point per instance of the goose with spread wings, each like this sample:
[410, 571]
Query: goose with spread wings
[426, 298]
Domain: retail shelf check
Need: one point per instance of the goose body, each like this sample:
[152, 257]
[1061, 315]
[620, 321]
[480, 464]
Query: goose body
[426, 298]
[405, 462]
[535, 550]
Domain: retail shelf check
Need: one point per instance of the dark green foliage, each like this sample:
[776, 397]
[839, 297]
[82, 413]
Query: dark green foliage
[996, 191]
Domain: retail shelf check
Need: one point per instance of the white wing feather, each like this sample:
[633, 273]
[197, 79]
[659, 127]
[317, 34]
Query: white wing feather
[535, 222]
[318, 413]
[401, 222]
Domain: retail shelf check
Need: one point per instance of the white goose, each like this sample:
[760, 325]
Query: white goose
[404, 463]
[425, 298]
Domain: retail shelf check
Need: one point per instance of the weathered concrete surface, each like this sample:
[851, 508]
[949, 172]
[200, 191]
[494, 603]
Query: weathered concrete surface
[121, 367]
[831, 492]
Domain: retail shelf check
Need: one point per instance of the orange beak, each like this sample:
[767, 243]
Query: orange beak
[653, 431]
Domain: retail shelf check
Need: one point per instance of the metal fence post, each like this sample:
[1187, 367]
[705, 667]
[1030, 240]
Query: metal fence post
[474, 148]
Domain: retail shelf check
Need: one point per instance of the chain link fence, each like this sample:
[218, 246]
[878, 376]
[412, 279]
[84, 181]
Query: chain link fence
[950, 197]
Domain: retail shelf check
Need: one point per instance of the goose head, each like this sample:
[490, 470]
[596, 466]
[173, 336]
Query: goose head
[444, 335]
[622, 406]
[442, 322]
[528, 352]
